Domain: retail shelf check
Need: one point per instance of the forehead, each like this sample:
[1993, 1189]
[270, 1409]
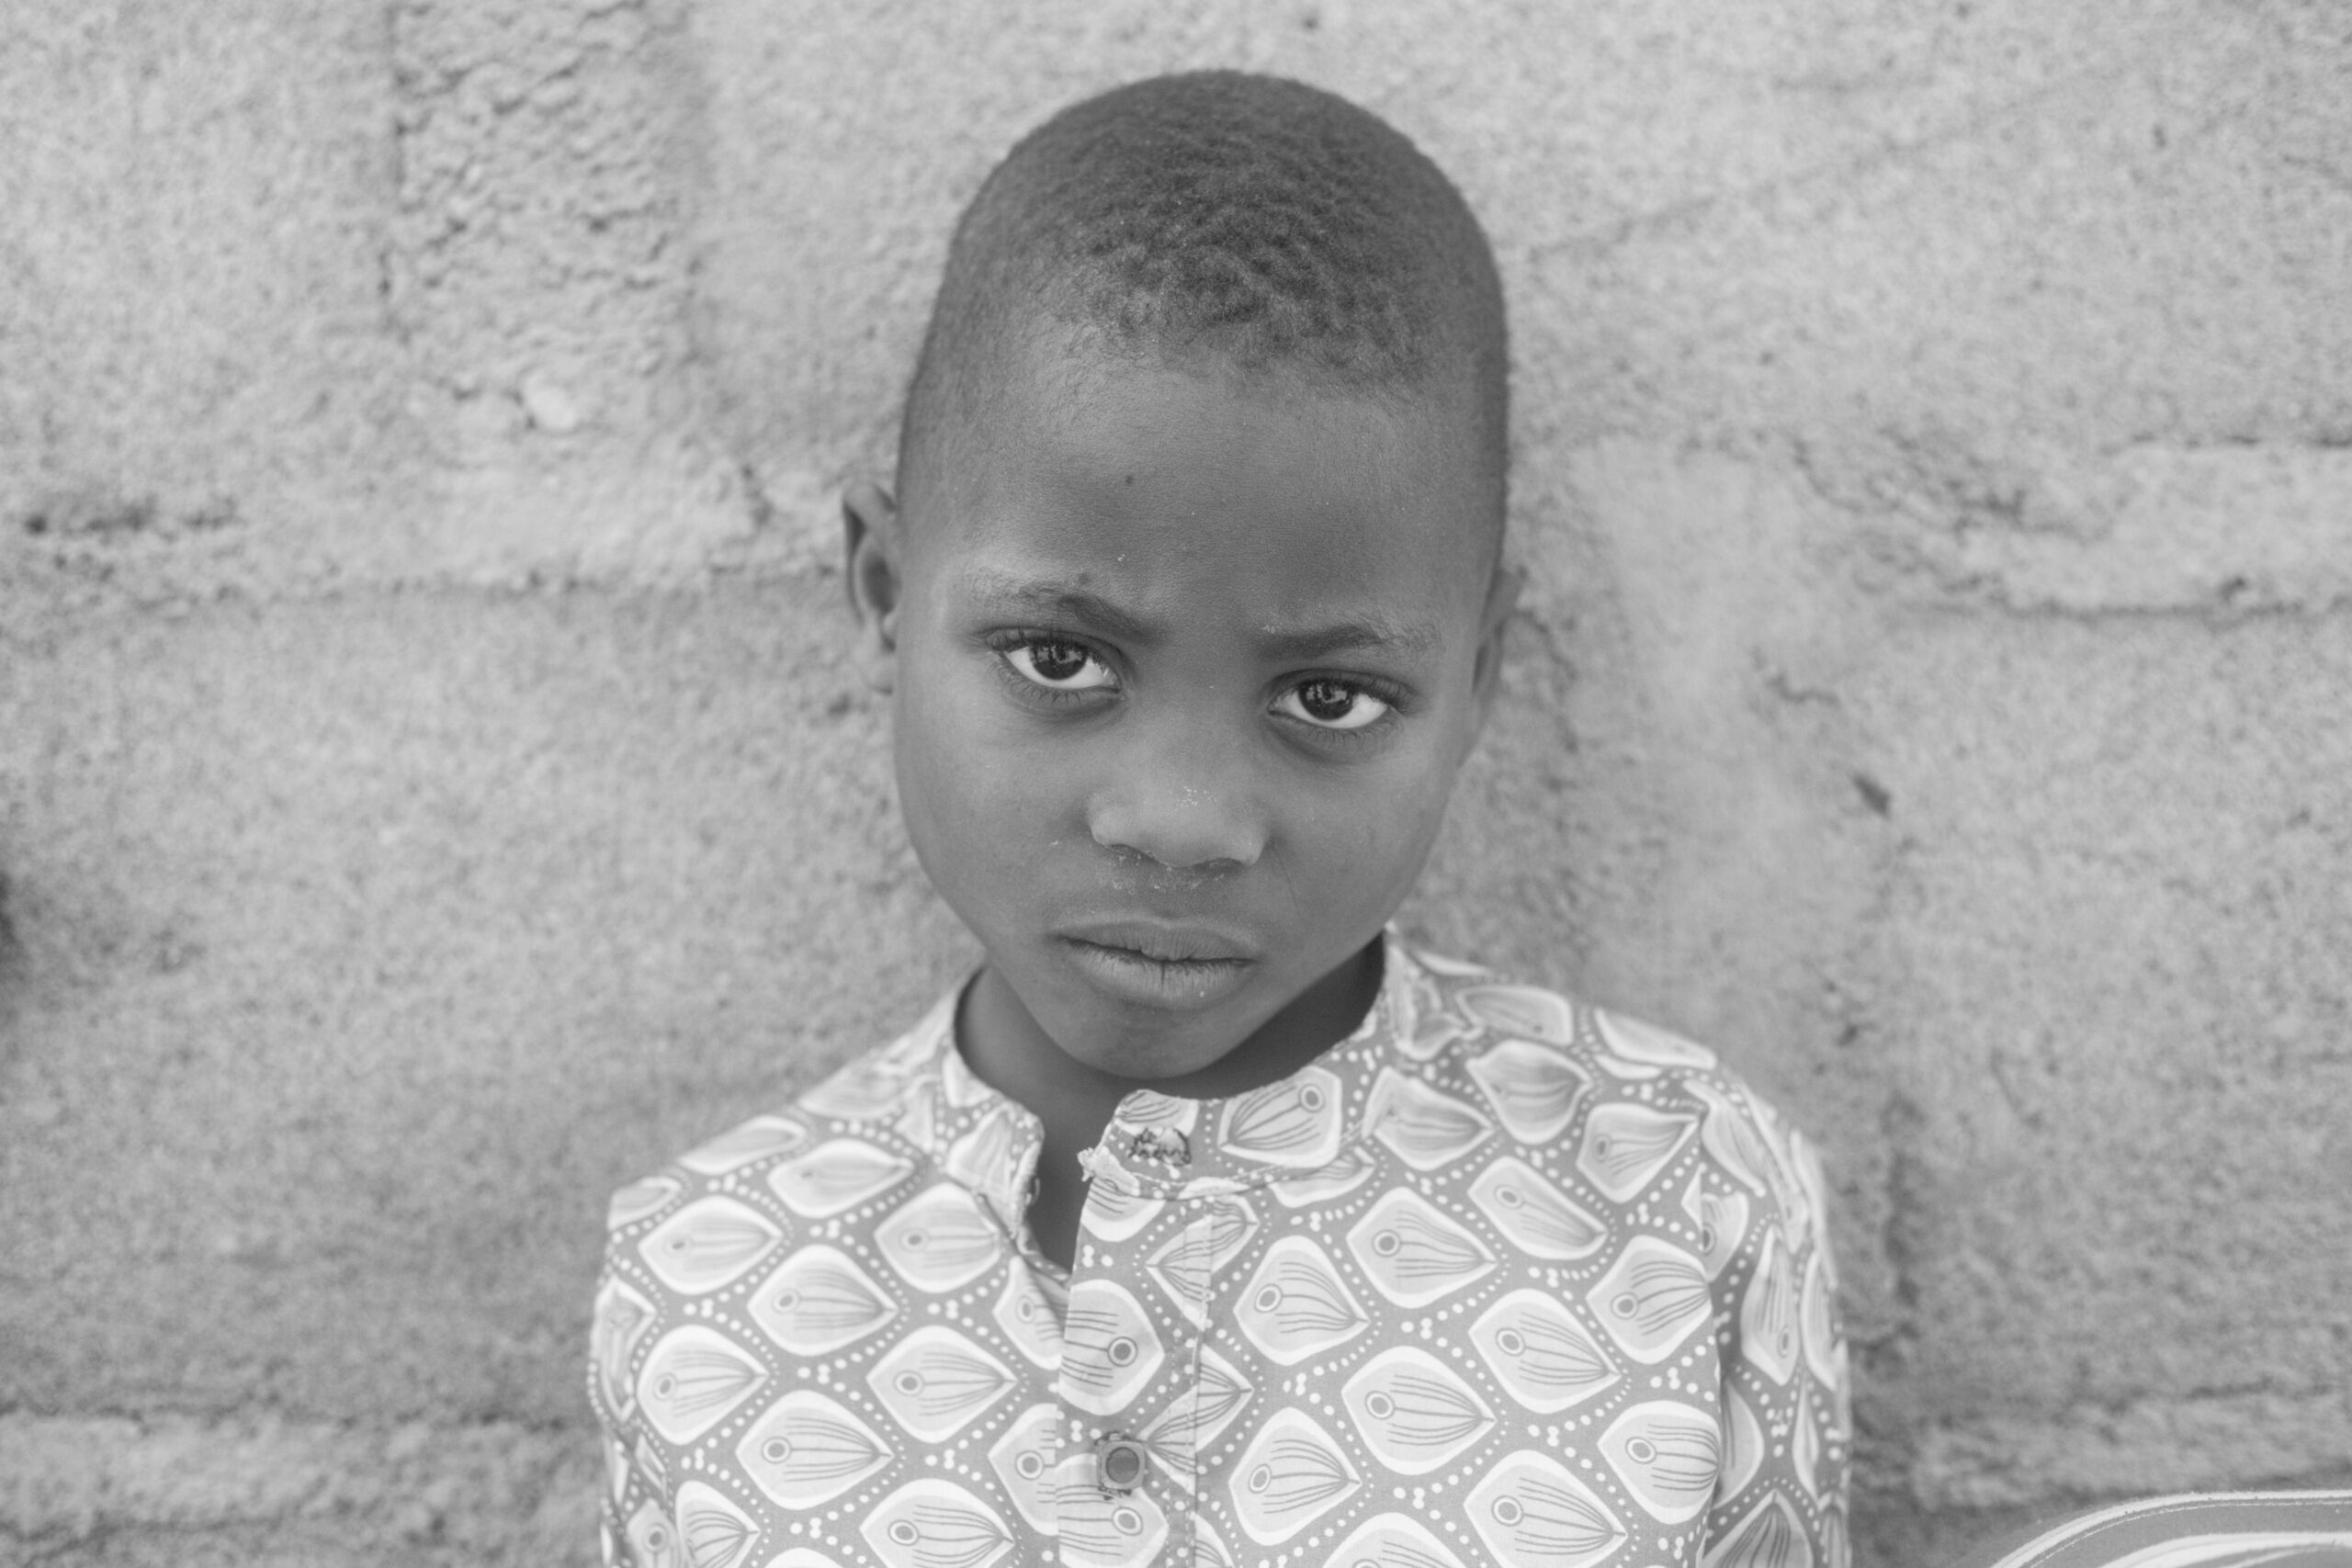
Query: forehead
[1195, 486]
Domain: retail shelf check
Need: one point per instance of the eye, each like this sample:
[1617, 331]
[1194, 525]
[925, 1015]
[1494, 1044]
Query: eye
[1328, 703]
[1057, 665]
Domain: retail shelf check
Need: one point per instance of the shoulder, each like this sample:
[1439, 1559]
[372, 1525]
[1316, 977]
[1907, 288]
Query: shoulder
[738, 1202]
[1675, 1213]
[1637, 1103]
[866, 1121]
[716, 1272]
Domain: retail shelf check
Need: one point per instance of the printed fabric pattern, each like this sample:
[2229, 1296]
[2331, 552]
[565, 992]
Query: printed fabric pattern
[1502, 1278]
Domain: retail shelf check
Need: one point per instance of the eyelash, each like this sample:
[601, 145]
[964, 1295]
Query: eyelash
[1006, 644]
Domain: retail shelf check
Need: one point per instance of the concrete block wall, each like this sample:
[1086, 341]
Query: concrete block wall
[431, 788]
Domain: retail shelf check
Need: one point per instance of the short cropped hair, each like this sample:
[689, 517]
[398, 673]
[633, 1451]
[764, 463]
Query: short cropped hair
[1260, 219]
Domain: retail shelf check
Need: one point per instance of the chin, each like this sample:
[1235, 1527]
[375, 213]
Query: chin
[1136, 1041]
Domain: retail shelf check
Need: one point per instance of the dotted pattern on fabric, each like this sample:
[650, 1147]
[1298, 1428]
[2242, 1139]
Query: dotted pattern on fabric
[1500, 1279]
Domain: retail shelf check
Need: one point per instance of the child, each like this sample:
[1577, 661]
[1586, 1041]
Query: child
[1208, 1224]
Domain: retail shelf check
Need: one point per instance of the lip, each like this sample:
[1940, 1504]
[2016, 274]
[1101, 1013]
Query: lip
[1165, 942]
[1164, 967]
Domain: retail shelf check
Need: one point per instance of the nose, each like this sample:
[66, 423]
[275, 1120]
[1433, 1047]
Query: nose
[1174, 803]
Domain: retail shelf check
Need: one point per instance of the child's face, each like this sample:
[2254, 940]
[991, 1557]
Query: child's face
[1184, 665]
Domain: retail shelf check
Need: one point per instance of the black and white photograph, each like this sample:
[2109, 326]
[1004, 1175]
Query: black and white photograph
[1068, 783]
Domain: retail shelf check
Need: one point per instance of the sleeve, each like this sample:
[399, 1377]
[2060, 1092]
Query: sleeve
[635, 1524]
[1780, 1496]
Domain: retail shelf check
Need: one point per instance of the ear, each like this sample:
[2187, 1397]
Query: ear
[870, 539]
[1486, 676]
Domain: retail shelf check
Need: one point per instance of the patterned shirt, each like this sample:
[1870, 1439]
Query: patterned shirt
[1501, 1279]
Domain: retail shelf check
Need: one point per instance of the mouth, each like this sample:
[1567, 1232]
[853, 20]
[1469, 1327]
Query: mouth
[1160, 966]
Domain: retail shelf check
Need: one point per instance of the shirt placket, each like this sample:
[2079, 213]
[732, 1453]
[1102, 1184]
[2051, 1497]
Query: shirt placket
[1130, 1381]
[1140, 1389]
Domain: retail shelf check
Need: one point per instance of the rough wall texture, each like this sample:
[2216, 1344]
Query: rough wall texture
[431, 788]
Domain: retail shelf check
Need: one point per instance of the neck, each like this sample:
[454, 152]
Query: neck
[1007, 1050]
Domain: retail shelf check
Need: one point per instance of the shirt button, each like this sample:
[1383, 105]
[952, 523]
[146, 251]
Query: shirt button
[1118, 1464]
[1161, 1143]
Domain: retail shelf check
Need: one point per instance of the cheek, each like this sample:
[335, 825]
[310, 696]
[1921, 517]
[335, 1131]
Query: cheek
[976, 807]
[1379, 837]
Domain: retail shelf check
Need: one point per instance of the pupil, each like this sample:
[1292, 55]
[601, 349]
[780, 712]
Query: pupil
[1326, 699]
[1057, 660]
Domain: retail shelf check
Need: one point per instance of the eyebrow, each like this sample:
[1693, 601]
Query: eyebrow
[1091, 610]
[1344, 637]
[1094, 612]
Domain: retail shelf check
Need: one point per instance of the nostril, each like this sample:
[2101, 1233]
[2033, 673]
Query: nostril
[1168, 874]
[1183, 833]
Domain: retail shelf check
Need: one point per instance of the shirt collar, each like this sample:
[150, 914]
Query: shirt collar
[1302, 1129]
